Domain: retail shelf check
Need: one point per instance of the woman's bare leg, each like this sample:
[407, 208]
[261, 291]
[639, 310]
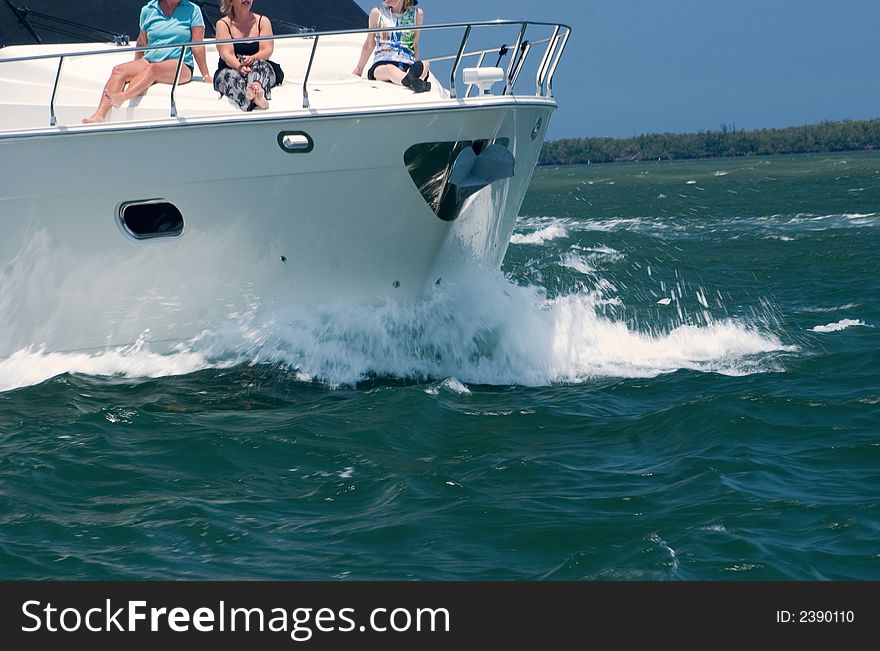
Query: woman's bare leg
[155, 73]
[121, 75]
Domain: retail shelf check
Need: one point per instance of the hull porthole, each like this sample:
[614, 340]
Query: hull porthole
[145, 220]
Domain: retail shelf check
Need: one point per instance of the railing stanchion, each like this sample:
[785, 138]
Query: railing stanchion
[176, 79]
[545, 60]
[552, 70]
[52, 120]
[524, 50]
[464, 40]
[513, 58]
[308, 72]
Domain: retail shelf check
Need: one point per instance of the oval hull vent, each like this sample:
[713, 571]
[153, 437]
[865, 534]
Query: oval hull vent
[145, 220]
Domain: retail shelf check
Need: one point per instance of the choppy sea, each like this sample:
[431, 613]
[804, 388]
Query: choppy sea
[674, 376]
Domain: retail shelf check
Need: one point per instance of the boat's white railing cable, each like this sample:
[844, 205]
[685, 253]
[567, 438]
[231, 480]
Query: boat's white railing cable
[518, 53]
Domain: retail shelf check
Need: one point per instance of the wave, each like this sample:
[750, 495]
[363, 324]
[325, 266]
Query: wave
[32, 366]
[783, 227]
[843, 324]
[833, 308]
[478, 329]
[552, 232]
[578, 263]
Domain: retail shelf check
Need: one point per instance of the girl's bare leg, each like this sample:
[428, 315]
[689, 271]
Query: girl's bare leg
[390, 73]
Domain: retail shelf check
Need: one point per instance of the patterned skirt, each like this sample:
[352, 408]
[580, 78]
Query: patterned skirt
[233, 84]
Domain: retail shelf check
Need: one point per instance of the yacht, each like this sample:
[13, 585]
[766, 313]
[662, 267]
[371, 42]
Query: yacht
[181, 210]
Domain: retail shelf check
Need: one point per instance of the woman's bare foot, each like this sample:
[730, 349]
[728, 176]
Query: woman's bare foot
[94, 117]
[249, 92]
[113, 98]
[260, 96]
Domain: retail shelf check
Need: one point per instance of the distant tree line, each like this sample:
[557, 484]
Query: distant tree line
[847, 135]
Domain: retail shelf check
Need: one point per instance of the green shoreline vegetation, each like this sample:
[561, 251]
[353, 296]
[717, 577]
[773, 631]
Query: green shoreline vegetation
[845, 135]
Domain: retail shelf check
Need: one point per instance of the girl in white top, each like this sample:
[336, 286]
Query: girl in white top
[395, 52]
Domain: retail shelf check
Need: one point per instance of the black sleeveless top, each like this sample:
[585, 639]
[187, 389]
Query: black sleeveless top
[242, 49]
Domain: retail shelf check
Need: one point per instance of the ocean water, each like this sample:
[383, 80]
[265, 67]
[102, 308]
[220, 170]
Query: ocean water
[674, 376]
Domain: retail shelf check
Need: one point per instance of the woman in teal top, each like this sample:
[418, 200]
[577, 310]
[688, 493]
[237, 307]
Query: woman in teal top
[163, 22]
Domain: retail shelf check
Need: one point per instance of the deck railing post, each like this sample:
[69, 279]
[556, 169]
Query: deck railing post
[524, 50]
[464, 40]
[176, 79]
[513, 59]
[52, 120]
[552, 70]
[308, 72]
[545, 60]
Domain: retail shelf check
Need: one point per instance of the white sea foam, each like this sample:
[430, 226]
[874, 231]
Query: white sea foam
[610, 224]
[449, 384]
[479, 328]
[347, 473]
[578, 263]
[834, 308]
[843, 324]
[551, 232]
[600, 250]
[455, 386]
[31, 366]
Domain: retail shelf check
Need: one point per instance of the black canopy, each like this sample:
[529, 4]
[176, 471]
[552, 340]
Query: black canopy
[74, 21]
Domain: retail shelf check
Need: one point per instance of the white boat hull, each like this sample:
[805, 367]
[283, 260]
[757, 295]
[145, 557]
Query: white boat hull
[343, 222]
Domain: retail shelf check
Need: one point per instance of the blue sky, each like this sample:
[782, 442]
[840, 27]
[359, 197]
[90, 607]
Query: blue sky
[645, 66]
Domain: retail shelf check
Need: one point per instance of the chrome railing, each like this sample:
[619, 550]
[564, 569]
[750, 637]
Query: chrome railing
[555, 45]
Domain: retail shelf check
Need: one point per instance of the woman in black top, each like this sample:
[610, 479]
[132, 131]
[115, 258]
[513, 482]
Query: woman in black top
[245, 74]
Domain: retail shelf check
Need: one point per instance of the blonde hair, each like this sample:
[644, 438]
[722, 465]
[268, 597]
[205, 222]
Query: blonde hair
[226, 7]
[407, 5]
